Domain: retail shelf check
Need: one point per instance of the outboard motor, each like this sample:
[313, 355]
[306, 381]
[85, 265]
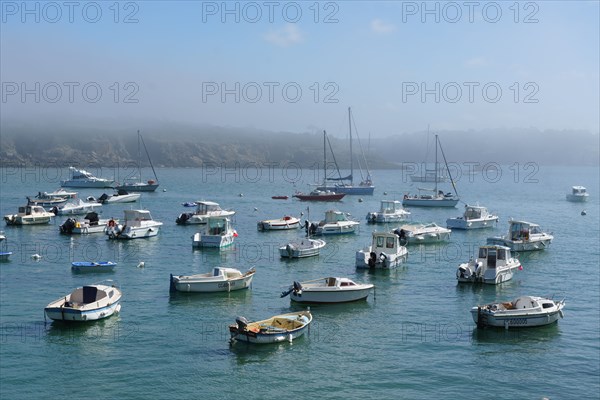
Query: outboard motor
[54, 210]
[183, 217]
[313, 228]
[102, 198]
[297, 286]
[242, 323]
[67, 226]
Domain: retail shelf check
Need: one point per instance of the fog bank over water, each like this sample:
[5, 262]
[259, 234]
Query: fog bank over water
[180, 145]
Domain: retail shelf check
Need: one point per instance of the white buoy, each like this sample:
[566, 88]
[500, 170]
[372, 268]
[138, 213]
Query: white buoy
[36, 257]
[164, 190]
[360, 200]
[141, 264]
[583, 212]
[385, 193]
[241, 194]
[255, 209]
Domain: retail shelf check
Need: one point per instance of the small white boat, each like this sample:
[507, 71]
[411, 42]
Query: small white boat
[219, 280]
[29, 215]
[578, 194]
[474, 217]
[88, 224]
[83, 179]
[336, 223]
[284, 223]
[279, 328]
[46, 201]
[77, 207]
[493, 265]
[87, 266]
[137, 224]
[60, 192]
[328, 290]
[301, 248]
[204, 210]
[525, 311]
[120, 197]
[87, 303]
[422, 233]
[390, 211]
[523, 236]
[4, 255]
[218, 233]
[385, 252]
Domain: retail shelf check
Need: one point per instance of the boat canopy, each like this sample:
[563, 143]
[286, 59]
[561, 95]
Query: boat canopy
[333, 216]
[137, 215]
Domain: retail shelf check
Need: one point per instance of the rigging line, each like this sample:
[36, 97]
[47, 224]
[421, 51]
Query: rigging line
[361, 150]
[147, 154]
[447, 168]
[334, 161]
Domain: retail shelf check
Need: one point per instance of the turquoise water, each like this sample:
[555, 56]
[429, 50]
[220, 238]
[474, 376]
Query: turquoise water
[414, 338]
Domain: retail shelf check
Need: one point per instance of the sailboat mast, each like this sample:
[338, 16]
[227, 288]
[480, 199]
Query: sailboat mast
[436, 164]
[325, 159]
[351, 159]
[147, 154]
[139, 157]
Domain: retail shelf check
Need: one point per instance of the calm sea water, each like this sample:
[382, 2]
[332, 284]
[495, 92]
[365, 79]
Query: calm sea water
[414, 338]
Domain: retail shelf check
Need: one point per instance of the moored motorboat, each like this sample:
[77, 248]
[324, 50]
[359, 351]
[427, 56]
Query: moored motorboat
[88, 224]
[219, 280]
[300, 248]
[279, 328]
[29, 215]
[93, 266]
[204, 210]
[525, 311]
[578, 194]
[83, 179]
[77, 207]
[122, 196]
[335, 223]
[328, 290]
[218, 233]
[137, 224]
[422, 233]
[523, 236]
[474, 217]
[390, 211]
[87, 303]
[493, 265]
[385, 252]
[319, 195]
[284, 223]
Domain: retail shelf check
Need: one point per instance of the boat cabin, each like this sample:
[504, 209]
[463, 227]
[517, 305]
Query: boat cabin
[137, 215]
[521, 230]
[339, 282]
[579, 191]
[31, 210]
[385, 242]
[491, 256]
[474, 212]
[205, 207]
[226, 273]
[333, 217]
[217, 226]
[390, 206]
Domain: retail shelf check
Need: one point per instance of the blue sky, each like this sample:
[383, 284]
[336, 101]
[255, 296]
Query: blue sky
[397, 66]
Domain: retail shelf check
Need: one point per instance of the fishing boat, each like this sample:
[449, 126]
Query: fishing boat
[328, 290]
[218, 233]
[301, 248]
[29, 215]
[523, 236]
[578, 194]
[335, 223]
[433, 197]
[83, 179]
[525, 311]
[279, 328]
[219, 280]
[137, 224]
[422, 233]
[77, 207]
[87, 303]
[385, 252]
[346, 184]
[121, 196]
[88, 224]
[204, 210]
[93, 266]
[493, 265]
[134, 184]
[390, 211]
[321, 195]
[284, 223]
[474, 217]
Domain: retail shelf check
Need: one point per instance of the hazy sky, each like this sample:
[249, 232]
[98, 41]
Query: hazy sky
[297, 66]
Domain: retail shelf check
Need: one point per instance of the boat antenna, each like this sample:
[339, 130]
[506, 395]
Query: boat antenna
[445, 162]
[148, 155]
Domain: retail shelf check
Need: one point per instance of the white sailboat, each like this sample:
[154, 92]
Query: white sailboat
[135, 184]
[433, 197]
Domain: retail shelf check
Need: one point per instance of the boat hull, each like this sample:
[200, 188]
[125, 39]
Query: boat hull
[302, 249]
[211, 286]
[272, 334]
[278, 225]
[28, 220]
[515, 320]
[350, 190]
[329, 197]
[389, 262]
[4, 255]
[102, 266]
[435, 202]
[461, 223]
[520, 245]
[91, 185]
[215, 241]
[331, 296]
[379, 218]
[71, 314]
[427, 238]
[577, 198]
[143, 187]
[137, 232]
[336, 229]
